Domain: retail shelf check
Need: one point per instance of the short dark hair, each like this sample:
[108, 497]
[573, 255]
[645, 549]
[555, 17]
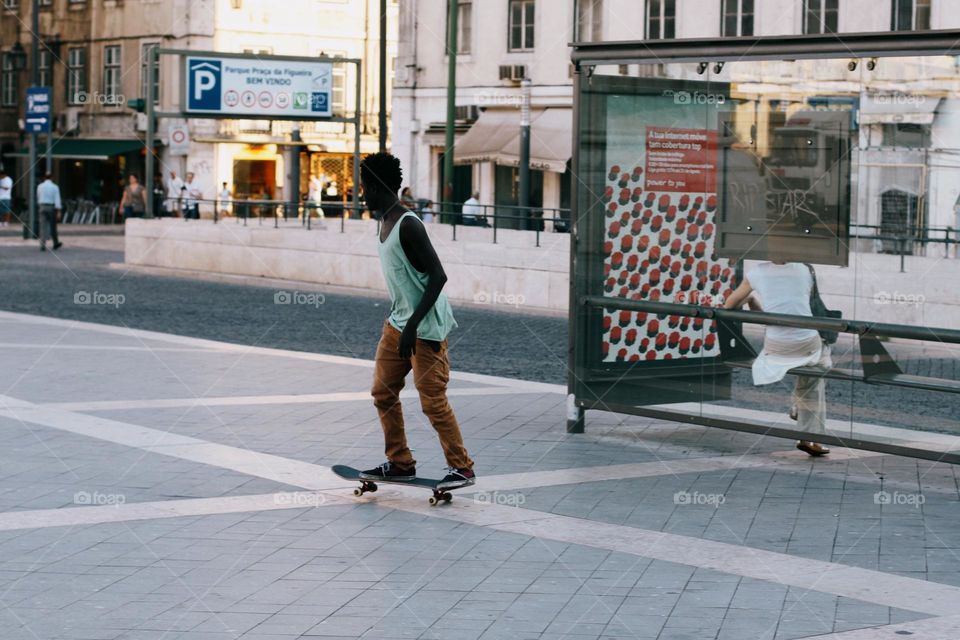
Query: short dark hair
[382, 168]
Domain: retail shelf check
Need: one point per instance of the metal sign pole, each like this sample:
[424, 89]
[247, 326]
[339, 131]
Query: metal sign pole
[34, 81]
[525, 155]
[356, 145]
[152, 60]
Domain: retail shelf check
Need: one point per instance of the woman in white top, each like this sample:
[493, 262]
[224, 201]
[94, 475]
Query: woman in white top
[785, 288]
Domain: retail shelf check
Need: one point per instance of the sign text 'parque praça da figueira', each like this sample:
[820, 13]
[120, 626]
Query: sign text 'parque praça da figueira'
[257, 87]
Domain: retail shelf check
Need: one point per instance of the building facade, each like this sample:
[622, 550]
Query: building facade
[911, 144]
[94, 57]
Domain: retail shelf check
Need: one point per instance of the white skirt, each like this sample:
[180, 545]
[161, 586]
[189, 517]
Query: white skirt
[777, 358]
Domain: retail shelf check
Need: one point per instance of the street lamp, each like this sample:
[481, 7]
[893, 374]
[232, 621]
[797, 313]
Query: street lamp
[17, 56]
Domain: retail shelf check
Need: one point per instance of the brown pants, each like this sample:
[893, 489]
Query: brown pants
[431, 372]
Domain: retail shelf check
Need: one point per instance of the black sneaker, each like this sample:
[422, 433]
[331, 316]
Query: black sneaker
[57, 245]
[457, 478]
[389, 472]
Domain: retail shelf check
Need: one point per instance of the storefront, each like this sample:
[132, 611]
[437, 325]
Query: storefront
[751, 152]
[92, 169]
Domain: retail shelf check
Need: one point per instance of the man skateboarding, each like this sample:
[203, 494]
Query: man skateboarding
[414, 335]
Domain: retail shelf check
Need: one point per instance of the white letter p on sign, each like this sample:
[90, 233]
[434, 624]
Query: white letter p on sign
[203, 80]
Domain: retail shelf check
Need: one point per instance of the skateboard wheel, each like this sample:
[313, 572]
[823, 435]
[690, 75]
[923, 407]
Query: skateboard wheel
[372, 488]
[433, 501]
[358, 492]
[447, 497]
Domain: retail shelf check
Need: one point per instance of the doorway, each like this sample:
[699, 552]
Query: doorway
[255, 179]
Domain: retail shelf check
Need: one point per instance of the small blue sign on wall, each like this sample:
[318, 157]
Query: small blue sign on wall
[38, 110]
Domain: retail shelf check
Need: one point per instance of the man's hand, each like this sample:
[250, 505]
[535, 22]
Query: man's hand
[408, 341]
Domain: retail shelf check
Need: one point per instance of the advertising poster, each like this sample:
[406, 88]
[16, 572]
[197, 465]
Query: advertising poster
[660, 228]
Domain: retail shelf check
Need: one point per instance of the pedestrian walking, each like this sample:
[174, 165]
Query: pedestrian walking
[407, 199]
[225, 198]
[48, 201]
[158, 195]
[174, 194]
[191, 198]
[6, 198]
[134, 200]
[314, 198]
[415, 333]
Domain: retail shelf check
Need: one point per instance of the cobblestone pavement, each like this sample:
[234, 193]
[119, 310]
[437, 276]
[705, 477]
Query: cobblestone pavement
[163, 487]
[490, 340]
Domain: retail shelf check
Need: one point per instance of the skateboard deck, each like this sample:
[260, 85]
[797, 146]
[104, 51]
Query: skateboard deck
[370, 486]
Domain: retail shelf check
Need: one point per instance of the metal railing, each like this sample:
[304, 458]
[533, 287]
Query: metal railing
[905, 241]
[493, 217]
[878, 365]
[857, 327]
[498, 216]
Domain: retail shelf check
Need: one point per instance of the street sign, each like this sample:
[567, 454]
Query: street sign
[38, 110]
[258, 87]
[179, 142]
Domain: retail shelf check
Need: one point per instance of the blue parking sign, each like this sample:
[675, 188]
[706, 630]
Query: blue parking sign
[38, 110]
[203, 84]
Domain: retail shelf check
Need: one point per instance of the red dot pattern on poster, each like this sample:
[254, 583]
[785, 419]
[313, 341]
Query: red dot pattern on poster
[660, 246]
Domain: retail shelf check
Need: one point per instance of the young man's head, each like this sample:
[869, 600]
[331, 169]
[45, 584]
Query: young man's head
[380, 178]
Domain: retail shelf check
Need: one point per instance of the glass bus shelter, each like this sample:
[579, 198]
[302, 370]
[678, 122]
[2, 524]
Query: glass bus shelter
[699, 164]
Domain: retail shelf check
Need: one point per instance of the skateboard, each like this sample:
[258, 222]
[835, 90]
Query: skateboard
[370, 486]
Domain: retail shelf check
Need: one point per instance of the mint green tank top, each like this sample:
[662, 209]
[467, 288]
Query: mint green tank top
[406, 286]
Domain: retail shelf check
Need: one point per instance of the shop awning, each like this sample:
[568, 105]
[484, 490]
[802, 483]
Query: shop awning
[495, 137]
[84, 148]
[488, 137]
[898, 108]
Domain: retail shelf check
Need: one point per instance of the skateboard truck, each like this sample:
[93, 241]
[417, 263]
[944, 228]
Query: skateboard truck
[365, 487]
[440, 495]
